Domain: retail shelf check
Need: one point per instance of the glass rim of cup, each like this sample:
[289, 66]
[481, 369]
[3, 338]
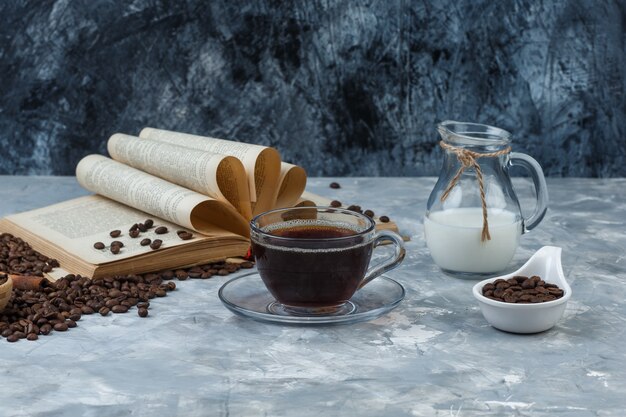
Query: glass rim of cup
[324, 209]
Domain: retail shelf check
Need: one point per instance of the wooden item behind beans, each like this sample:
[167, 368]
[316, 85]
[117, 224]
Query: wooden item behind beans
[5, 292]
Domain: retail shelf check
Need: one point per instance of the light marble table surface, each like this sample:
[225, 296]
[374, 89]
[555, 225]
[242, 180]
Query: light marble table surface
[434, 355]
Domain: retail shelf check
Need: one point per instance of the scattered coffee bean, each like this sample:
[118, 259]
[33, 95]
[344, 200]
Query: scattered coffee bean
[115, 233]
[119, 309]
[115, 249]
[142, 312]
[149, 223]
[117, 243]
[354, 207]
[185, 235]
[12, 338]
[142, 227]
[133, 227]
[161, 230]
[99, 245]
[520, 289]
[104, 311]
[61, 327]
[369, 213]
[335, 185]
[384, 219]
[145, 242]
[32, 336]
[335, 203]
[156, 244]
[133, 233]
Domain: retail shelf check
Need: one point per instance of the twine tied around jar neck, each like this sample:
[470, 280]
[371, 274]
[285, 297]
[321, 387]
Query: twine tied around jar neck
[468, 159]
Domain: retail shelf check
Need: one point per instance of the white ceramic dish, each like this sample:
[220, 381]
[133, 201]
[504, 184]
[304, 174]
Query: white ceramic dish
[528, 318]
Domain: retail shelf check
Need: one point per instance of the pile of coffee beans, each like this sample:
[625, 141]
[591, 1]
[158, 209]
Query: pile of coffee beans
[17, 257]
[135, 231]
[58, 306]
[521, 289]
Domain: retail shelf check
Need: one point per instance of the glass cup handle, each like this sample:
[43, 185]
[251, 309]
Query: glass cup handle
[389, 263]
[541, 189]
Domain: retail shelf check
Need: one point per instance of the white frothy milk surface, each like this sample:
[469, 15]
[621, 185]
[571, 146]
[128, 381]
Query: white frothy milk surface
[453, 237]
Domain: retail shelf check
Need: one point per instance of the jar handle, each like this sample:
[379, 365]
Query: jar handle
[541, 189]
[389, 263]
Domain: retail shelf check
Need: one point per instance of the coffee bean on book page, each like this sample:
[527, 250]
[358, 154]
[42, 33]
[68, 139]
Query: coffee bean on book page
[160, 230]
[99, 245]
[115, 233]
[145, 242]
[142, 227]
[115, 249]
[185, 235]
[156, 244]
[148, 223]
[117, 243]
[133, 227]
[133, 233]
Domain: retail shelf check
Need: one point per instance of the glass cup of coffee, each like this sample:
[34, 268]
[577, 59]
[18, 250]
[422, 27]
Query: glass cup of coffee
[313, 259]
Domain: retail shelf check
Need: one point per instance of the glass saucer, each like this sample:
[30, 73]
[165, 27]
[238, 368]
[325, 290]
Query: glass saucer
[247, 296]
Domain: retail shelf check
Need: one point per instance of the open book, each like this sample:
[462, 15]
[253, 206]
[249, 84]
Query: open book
[207, 187]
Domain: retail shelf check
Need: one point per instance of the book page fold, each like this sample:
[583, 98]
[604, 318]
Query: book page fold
[292, 184]
[158, 197]
[218, 176]
[261, 163]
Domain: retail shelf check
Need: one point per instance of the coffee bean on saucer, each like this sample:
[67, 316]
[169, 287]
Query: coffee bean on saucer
[115, 233]
[160, 230]
[384, 219]
[369, 213]
[99, 245]
[335, 185]
[335, 203]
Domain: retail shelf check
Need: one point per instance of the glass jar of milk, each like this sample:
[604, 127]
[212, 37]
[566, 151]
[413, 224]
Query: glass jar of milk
[473, 219]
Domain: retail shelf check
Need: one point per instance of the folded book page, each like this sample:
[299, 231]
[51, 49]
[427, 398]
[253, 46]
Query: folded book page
[158, 197]
[261, 163]
[218, 176]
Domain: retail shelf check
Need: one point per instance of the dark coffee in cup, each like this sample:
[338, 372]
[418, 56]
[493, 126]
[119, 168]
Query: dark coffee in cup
[313, 259]
[324, 271]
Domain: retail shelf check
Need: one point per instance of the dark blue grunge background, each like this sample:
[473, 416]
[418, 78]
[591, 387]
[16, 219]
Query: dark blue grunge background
[339, 87]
